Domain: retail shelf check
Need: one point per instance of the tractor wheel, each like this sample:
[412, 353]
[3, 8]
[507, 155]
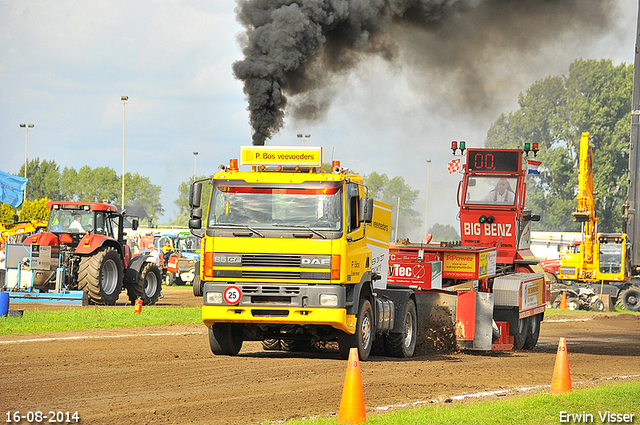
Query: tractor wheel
[522, 332]
[363, 337]
[404, 344]
[169, 278]
[631, 298]
[271, 344]
[534, 332]
[197, 283]
[299, 345]
[148, 286]
[225, 339]
[100, 276]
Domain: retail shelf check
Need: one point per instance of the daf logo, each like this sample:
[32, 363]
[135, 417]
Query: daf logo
[316, 261]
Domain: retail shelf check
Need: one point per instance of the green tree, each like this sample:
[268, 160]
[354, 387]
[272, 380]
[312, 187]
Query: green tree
[444, 232]
[390, 191]
[182, 202]
[140, 192]
[44, 179]
[34, 210]
[595, 97]
[6, 213]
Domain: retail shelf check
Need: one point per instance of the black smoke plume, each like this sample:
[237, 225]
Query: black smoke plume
[295, 47]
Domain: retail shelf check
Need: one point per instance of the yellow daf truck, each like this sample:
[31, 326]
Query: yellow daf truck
[293, 255]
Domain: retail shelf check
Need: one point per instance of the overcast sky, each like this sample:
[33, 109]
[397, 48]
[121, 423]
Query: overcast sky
[65, 64]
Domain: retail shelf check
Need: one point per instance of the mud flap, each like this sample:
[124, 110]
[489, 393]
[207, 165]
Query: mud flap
[474, 320]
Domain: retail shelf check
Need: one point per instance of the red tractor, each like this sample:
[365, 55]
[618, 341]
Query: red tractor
[87, 242]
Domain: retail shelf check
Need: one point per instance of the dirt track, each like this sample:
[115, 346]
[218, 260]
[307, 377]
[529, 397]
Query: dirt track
[168, 374]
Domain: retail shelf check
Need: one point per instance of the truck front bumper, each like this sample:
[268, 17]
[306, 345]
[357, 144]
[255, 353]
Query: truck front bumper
[334, 317]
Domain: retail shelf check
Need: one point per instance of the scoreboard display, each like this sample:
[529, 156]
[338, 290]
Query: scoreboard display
[493, 160]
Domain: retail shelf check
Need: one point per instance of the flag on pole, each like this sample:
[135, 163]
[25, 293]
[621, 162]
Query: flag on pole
[533, 166]
[11, 189]
[453, 166]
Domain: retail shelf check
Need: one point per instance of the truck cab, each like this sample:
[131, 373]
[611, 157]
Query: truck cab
[286, 252]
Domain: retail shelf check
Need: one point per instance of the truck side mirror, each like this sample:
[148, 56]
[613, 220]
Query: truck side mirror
[195, 222]
[134, 223]
[195, 191]
[366, 210]
[535, 217]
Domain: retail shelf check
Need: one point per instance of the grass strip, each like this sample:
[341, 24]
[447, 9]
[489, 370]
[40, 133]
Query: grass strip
[96, 317]
[538, 409]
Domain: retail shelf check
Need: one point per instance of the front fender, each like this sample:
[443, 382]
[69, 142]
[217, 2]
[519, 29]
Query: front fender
[131, 273]
[91, 242]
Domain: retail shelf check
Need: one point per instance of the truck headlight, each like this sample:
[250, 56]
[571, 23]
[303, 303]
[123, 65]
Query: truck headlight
[329, 300]
[214, 298]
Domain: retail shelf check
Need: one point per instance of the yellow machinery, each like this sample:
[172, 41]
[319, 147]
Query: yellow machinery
[18, 231]
[600, 257]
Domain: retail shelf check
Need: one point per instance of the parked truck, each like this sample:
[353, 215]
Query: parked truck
[296, 255]
[82, 249]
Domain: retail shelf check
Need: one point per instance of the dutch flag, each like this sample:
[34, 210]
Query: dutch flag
[533, 167]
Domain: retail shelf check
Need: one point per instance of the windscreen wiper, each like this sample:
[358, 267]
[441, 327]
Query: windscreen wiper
[241, 225]
[304, 226]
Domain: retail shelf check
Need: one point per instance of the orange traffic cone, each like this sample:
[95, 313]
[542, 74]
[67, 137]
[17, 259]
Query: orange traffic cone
[563, 301]
[352, 403]
[561, 381]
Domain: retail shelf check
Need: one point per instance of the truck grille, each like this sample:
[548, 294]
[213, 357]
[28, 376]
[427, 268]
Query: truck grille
[257, 260]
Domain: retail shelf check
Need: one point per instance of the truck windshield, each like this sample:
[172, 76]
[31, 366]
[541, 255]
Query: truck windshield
[316, 205]
[611, 258]
[491, 190]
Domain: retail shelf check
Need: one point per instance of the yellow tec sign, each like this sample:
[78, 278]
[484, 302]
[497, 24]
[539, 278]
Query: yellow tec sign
[272, 155]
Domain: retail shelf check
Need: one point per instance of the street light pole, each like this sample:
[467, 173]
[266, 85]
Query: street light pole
[303, 137]
[426, 211]
[26, 148]
[124, 101]
[195, 164]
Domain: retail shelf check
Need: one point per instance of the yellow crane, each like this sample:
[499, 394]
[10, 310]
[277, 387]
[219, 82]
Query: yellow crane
[600, 257]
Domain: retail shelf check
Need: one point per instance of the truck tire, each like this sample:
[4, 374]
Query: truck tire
[631, 298]
[148, 286]
[225, 339]
[534, 332]
[197, 283]
[522, 333]
[404, 344]
[100, 276]
[363, 337]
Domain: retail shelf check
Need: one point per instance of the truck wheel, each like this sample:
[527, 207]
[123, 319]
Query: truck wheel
[100, 276]
[225, 339]
[363, 338]
[148, 286]
[197, 283]
[522, 332]
[534, 332]
[404, 344]
[631, 298]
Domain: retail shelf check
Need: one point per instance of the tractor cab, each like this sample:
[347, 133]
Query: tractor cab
[491, 197]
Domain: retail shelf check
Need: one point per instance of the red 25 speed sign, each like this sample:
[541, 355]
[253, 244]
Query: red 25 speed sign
[232, 295]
